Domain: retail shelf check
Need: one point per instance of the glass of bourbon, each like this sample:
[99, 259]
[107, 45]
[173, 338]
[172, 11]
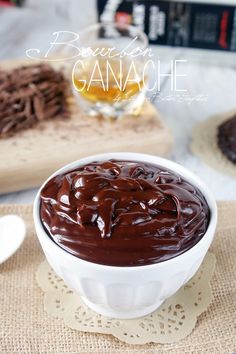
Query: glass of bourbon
[110, 73]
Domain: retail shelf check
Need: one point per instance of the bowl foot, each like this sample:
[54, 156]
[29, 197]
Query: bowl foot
[121, 314]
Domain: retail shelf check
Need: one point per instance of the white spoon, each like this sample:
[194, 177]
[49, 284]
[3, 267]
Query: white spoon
[12, 234]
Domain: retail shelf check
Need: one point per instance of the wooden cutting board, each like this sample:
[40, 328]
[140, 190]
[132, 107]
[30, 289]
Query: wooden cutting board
[29, 157]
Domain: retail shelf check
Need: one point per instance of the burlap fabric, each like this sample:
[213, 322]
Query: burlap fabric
[26, 328]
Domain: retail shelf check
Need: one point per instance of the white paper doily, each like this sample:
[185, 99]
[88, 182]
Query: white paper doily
[174, 320]
[204, 144]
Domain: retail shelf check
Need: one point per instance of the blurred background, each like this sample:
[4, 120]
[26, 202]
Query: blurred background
[210, 71]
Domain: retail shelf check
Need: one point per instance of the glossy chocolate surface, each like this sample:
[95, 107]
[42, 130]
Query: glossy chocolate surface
[123, 213]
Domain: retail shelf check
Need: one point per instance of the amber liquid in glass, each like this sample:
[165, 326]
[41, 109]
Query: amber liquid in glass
[107, 80]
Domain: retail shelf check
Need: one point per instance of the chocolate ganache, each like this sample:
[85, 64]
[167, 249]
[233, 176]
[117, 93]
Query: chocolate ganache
[123, 213]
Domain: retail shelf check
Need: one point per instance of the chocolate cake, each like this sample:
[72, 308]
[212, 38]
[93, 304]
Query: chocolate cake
[227, 138]
[29, 94]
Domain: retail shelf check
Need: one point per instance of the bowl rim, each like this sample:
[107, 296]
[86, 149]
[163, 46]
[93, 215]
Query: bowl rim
[139, 157]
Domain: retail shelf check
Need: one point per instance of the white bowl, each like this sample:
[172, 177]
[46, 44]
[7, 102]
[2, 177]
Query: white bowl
[127, 292]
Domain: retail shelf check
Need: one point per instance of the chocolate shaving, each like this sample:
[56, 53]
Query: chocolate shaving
[30, 94]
